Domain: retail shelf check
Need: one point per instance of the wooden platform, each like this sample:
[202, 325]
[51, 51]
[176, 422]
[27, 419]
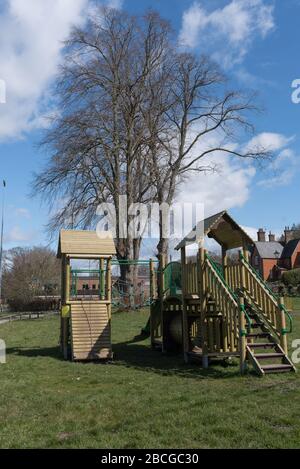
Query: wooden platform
[90, 331]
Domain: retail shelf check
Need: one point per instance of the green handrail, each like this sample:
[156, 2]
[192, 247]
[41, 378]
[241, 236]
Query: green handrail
[282, 307]
[258, 276]
[222, 278]
[290, 330]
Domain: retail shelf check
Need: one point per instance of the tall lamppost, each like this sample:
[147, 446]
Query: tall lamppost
[1, 240]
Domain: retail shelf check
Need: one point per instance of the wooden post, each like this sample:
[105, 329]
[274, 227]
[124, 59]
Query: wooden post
[152, 279]
[242, 273]
[243, 332]
[203, 302]
[108, 288]
[63, 302]
[162, 264]
[283, 337]
[152, 293]
[246, 252]
[102, 280]
[225, 263]
[65, 294]
[67, 280]
[185, 329]
[243, 282]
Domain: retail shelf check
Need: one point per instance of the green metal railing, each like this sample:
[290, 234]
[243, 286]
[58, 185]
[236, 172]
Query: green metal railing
[275, 297]
[172, 278]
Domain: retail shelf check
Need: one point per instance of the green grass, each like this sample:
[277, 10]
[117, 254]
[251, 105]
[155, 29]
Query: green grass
[142, 400]
[296, 303]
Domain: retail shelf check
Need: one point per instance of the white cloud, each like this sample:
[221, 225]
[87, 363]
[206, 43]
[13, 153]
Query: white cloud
[18, 235]
[252, 232]
[270, 141]
[285, 164]
[227, 187]
[117, 4]
[23, 212]
[227, 33]
[250, 80]
[230, 185]
[284, 168]
[31, 35]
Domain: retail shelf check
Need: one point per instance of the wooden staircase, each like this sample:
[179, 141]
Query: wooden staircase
[265, 315]
[263, 351]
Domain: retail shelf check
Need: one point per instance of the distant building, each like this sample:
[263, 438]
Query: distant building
[270, 257]
[87, 283]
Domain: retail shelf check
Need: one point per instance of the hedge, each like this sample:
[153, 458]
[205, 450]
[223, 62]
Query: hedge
[291, 277]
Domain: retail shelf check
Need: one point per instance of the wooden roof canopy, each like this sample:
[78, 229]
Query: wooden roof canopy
[85, 244]
[222, 228]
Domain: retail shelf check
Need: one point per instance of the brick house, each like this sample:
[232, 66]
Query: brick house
[87, 283]
[270, 257]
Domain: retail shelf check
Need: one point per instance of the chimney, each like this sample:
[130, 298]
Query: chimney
[271, 237]
[261, 235]
[287, 234]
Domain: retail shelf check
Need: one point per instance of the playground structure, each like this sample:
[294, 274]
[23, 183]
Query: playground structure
[211, 311]
[86, 321]
[203, 309]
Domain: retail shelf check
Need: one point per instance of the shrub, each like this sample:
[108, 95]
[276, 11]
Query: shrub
[37, 304]
[281, 289]
[291, 290]
[292, 277]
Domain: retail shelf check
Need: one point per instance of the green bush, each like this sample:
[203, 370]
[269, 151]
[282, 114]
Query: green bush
[281, 291]
[291, 277]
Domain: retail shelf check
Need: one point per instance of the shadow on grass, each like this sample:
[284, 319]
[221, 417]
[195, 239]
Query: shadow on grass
[140, 356]
[50, 352]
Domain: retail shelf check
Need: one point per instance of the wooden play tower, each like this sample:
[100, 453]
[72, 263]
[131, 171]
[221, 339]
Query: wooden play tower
[86, 322]
[211, 311]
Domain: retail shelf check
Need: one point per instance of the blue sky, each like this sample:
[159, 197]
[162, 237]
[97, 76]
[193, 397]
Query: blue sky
[256, 42]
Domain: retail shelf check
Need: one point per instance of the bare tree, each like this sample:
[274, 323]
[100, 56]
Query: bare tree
[99, 143]
[134, 118]
[204, 119]
[30, 273]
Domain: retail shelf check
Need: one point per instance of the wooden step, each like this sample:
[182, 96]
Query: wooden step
[255, 335]
[277, 368]
[266, 356]
[262, 345]
[257, 325]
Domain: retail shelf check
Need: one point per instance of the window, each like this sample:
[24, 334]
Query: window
[256, 260]
[94, 287]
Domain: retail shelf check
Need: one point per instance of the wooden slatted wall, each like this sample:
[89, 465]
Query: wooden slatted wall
[91, 331]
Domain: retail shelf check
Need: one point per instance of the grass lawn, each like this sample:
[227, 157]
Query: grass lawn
[142, 400]
[296, 303]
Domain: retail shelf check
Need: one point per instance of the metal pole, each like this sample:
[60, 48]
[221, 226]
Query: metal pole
[1, 241]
